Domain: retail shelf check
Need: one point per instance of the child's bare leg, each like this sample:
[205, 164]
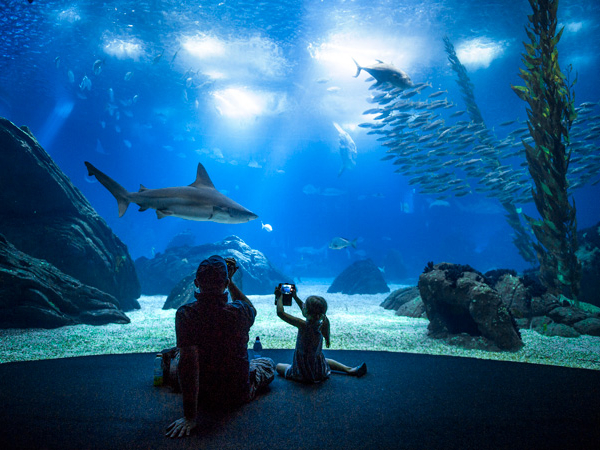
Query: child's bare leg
[354, 371]
[281, 368]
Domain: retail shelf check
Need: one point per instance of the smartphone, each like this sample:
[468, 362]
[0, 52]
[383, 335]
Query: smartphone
[287, 291]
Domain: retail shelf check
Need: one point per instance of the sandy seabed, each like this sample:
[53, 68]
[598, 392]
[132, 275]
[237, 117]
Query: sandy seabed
[357, 323]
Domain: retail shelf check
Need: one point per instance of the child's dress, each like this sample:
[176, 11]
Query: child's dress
[309, 364]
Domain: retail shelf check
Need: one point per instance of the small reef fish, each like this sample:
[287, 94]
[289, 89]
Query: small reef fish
[338, 243]
[265, 226]
[386, 73]
[57, 62]
[128, 76]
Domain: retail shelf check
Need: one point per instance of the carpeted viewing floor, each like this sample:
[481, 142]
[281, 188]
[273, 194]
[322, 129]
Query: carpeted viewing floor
[405, 401]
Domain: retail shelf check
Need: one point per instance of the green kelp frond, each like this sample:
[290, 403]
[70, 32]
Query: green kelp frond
[550, 112]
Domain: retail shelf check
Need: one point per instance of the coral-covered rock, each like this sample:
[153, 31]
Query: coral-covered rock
[47, 217]
[457, 300]
[162, 273]
[361, 277]
[514, 295]
[35, 294]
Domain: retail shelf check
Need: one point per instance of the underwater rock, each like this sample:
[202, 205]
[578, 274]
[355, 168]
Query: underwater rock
[567, 315]
[589, 326]
[183, 292]
[406, 302]
[559, 329]
[514, 295]
[589, 256]
[414, 308]
[47, 217]
[394, 268]
[162, 273]
[361, 277]
[399, 297]
[36, 294]
[457, 300]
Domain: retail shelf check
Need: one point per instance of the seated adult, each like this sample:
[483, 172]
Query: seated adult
[212, 337]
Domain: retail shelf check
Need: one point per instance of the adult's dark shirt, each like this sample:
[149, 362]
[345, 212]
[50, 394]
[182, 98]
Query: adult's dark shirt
[220, 331]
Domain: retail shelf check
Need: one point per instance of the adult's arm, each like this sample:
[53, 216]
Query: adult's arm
[236, 294]
[189, 377]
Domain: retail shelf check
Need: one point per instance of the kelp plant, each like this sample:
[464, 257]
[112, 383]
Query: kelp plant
[551, 112]
[522, 237]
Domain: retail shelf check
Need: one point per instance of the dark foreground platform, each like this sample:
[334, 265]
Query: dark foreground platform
[405, 401]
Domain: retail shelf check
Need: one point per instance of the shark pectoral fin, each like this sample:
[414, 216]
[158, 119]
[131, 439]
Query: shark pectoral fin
[160, 213]
[143, 208]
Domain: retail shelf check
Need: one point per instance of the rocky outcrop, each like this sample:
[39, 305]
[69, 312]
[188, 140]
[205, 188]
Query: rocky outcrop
[589, 256]
[159, 275]
[361, 277]
[545, 313]
[45, 216]
[406, 302]
[35, 294]
[458, 301]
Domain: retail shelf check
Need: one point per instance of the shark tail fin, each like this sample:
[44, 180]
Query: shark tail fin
[358, 68]
[118, 191]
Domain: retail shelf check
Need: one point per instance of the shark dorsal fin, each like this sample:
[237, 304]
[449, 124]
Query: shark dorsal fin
[142, 188]
[379, 61]
[202, 178]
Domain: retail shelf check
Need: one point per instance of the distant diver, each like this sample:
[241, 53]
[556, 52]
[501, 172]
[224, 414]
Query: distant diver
[198, 201]
[386, 73]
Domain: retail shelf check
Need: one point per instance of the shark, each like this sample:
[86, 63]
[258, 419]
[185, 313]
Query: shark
[199, 201]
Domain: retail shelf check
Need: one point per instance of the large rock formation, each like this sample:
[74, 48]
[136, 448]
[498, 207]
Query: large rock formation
[162, 273]
[35, 294]
[361, 277]
[457, 300]
[47, 217]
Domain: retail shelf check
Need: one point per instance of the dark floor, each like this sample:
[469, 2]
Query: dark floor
[405, 401]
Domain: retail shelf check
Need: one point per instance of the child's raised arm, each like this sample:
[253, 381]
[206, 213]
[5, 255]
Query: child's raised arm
[295, 321]
[298, 301]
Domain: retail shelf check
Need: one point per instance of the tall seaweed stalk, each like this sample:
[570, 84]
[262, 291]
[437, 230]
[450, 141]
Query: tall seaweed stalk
[521, 237]
[551, 112]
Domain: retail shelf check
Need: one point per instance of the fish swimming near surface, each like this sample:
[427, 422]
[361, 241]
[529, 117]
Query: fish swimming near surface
[198, 201]
[386, 73]
[347, 149]
[339, 243]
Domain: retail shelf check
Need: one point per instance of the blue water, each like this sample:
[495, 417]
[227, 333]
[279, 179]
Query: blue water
[294, 57]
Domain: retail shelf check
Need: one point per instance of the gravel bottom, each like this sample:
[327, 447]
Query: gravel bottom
[357, 323]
